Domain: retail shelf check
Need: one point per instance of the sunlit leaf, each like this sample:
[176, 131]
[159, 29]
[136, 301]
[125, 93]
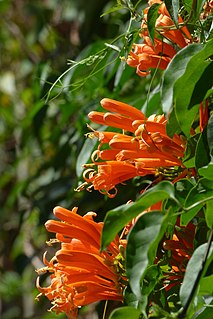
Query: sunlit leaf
[125, 312]
[117, 218]
[207, 171]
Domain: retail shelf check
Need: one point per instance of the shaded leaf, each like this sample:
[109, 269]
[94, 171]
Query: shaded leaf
[174, 71]
[143, 241]
[209, 214]
[184, 87]
[210, 133]
[202, 156]
[173, 8]
[196, 198]
[189, 155]
[202, 86]
[194, 267]
[117, 218]
[206, 313]
[152, 16]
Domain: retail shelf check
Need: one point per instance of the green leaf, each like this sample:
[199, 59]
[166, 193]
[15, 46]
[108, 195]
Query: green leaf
[117, 218]
[125, 312]
[112, 9]
[209, 214]
[194, 267]
[143, 241]
[185, 85]
[202, 156]
[172, 125]
[173, 8]
[189, 155]
[206, 313]
[199, 195]
[202, 86]
[206, 286]
[152, 16]
[207, 171]
[85, 155]
[174, 71]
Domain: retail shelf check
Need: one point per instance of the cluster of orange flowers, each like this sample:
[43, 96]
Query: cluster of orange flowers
[158, 54]
[80, 274]
[140, 150]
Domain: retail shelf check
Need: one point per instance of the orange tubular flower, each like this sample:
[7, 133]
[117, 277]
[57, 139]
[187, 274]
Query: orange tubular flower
[158, 55]
[146, 149]
[80, 274]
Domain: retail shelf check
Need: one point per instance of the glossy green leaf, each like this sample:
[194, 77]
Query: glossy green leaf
[117, 218]
[202, 156]
[173, 8]
[194, 267]
[174, 71]
[125, 312]
[152, 16]
[184, 87]
[143, 241]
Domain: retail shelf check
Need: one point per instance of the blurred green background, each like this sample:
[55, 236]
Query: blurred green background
[42, 126]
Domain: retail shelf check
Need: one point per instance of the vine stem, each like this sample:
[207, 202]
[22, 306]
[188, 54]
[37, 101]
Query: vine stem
[183, 313]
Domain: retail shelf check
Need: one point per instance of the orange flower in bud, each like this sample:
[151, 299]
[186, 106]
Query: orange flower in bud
[142, 148]
[80, 274]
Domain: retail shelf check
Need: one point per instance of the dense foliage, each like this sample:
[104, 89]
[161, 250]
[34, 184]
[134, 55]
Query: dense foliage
[151, 165]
